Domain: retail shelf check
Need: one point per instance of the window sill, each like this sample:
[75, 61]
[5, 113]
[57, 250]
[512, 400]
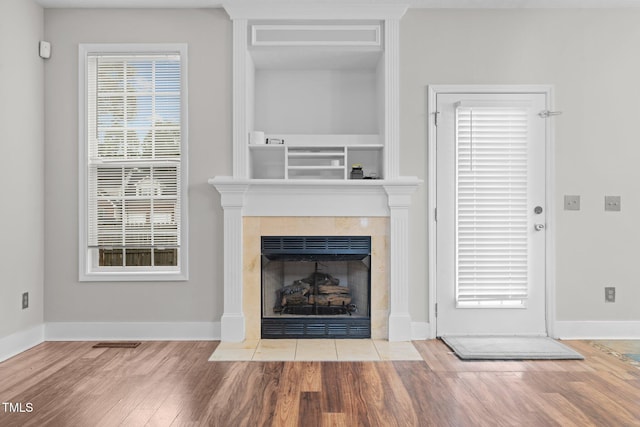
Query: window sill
[130, 276]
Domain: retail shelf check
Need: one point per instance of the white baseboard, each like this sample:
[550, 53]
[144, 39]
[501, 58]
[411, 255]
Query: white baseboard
[420, 331]
[20, 341]
[589, 329]
[186, 331]
[143, 331]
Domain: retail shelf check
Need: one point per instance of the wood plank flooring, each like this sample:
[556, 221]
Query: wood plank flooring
[173, 384]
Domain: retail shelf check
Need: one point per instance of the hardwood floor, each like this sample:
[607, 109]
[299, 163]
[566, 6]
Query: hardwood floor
[173, 384]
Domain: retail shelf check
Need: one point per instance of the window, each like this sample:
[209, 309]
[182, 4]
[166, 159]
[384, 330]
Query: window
[491, 205]
[133, 162]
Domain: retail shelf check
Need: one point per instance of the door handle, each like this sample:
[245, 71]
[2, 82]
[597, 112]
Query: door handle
[539, 227]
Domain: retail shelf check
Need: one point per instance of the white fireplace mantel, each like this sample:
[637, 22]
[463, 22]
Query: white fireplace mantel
[315, 197]
[362, 198]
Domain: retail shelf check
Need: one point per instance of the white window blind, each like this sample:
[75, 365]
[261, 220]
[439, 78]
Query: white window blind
[134, 159]
[491, 205]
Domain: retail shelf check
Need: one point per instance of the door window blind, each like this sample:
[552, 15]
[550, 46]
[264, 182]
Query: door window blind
[134, 158]
[491, 205]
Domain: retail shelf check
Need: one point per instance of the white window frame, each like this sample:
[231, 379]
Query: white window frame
[88, 273]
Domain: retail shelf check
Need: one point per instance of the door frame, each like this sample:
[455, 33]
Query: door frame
[550, 264]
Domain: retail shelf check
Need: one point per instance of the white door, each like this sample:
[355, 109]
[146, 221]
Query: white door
[491, 214]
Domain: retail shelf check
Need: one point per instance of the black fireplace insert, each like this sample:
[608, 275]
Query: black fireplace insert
[316, 286]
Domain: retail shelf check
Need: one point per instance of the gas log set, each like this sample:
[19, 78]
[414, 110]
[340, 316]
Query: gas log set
[318, 294]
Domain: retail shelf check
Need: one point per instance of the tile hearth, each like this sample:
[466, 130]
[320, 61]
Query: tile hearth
[316, 350]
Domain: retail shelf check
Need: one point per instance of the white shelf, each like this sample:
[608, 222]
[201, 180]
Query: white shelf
[282, 146]
[306, 161]
[315, 167]
[266, 146]
[317, 162]
[318, 156]
[365, 147]
[327, 140]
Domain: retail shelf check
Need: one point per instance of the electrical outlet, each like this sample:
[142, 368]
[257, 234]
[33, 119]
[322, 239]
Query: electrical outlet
[571, 203]
[25, 300]
[609, 294]
[612, 203]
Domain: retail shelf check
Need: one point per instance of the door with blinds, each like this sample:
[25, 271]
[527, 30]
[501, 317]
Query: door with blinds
[491, 214]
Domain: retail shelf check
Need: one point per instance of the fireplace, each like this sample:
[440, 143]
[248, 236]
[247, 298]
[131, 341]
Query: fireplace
[375, 208]
[316, 286]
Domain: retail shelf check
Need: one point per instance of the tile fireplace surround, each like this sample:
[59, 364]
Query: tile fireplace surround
[269, 207]
[256, 227]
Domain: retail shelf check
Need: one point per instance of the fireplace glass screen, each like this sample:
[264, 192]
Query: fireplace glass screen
[316, 287]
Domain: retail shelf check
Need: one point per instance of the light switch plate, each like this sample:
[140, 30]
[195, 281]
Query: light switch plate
[571, 203]
[612, 203]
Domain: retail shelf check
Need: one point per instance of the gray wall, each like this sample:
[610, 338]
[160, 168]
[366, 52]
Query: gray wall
[591, 58]
[22, 172]
[208, 34]
[589, 55]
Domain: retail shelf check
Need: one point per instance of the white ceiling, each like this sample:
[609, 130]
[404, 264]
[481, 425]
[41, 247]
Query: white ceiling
[478, 4]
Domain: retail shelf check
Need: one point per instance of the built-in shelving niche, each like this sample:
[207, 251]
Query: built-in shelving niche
[320, 88]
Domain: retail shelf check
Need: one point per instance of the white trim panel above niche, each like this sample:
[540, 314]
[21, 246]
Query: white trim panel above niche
[315, 35]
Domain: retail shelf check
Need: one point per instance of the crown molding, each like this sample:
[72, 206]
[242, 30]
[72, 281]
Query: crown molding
[358, 4]
[315, 10]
